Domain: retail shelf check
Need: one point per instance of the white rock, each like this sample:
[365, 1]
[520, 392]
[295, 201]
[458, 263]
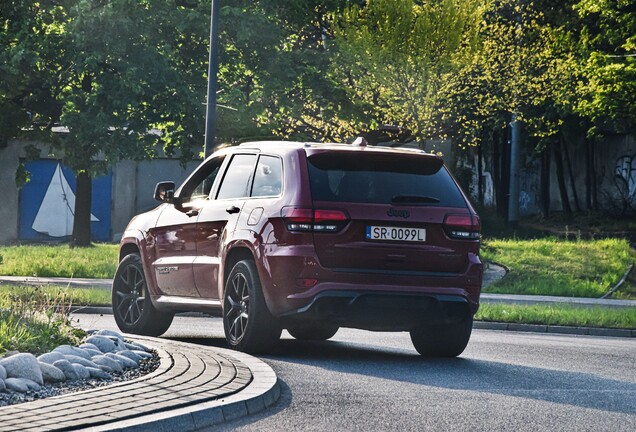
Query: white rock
[93, 352]
[82, 371]
[108, 362]
[138, 346]
[69, 350]
[23, 365]
[104, 344]
[3, 373]
[51, 374]
[143, 354]
[85, 346]
[51, 357]
[111, 333]
[124, 361]
[99, 374]
[81, 361]
[131, 355]
[18, 384]
[68, 369]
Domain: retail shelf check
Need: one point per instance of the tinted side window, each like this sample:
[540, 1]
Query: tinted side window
[237, 177]
[382, 178]
[268, 179]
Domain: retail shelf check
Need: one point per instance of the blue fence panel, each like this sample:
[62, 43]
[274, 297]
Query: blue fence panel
[47, 203]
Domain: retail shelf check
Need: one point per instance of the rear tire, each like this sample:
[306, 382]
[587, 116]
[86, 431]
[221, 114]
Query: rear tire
[448, 340]
[312, 332]
[132, 308]
[249, 326]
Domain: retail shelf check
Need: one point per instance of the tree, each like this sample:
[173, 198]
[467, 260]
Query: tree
[116, 74]
[392, 58]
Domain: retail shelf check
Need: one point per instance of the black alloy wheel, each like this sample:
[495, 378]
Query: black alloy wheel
[248, 324]
[132, 307]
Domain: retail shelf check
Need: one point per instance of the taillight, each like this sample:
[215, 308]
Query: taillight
[314, 220]
[465, 227]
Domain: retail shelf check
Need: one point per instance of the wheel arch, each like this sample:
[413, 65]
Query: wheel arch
[236, 254]
[239, 252]
[127, 249]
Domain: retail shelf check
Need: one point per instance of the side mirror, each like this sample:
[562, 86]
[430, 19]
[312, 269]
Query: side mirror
[164, 192]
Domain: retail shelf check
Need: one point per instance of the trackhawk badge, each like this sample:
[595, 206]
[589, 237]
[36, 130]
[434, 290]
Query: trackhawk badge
[167, 269]
[398, 213]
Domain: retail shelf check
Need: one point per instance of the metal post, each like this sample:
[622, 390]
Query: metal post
[213, 67]
[513, 201]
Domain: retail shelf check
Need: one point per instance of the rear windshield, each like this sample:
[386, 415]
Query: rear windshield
[381, 178]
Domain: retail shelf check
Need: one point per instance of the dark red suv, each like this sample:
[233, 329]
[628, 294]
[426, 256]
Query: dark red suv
[310, 238]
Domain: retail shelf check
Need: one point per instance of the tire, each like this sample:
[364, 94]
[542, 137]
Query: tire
[312, 332]
[249, 326]
[132, 307]
[448, 340]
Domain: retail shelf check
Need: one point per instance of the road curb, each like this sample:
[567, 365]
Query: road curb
[482, 325]
[541, 328]
[262, 392]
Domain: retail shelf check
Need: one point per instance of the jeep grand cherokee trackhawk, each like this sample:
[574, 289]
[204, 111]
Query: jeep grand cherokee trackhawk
[309, 238]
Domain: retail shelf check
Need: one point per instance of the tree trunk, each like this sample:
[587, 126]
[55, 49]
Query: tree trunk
[545, 182]
[568, 163]
[501, 172]
[480, 175]
[592, 173]
[558, 160]
[82, 217]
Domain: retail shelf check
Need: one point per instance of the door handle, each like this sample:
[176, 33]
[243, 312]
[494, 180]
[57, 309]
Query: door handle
[192, 213]
[232, 209]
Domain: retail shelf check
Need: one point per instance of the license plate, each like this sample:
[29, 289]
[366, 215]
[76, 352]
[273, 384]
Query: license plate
[396, 233]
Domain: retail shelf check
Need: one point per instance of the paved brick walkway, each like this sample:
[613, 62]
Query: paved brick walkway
[194, 386]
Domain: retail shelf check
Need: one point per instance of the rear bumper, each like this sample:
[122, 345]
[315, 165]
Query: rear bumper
[293, 280]
[381, 311]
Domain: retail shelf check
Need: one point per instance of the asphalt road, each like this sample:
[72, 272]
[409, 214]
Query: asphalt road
[504, 381]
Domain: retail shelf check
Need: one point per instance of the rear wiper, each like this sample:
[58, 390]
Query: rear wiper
[414, 199]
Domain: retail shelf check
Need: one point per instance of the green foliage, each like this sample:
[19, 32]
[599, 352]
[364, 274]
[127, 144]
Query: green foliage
[393, 58]
[583, 268]
[79, 296]
[35, 321]
[99, 261]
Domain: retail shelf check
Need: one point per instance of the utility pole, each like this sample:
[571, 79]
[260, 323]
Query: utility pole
[213, 67]
[513, 200]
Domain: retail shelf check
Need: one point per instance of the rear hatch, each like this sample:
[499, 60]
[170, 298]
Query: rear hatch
[390, 212]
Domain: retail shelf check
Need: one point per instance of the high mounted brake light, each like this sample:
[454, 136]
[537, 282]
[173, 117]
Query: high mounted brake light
[314, 220]
[462, 227]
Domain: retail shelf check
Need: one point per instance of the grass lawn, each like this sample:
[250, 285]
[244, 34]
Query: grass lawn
[562, 315]
[98, 261]
[548, 266]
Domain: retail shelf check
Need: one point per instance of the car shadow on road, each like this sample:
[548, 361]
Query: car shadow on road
[461, 373]
[464, 374]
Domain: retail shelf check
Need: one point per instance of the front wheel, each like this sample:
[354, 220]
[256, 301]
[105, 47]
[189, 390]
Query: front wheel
[132, 307]
[446, 340]
[247, 322]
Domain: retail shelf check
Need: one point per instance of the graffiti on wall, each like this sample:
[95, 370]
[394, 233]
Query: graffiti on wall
[626, 170]
[487, 182]
[47, 203]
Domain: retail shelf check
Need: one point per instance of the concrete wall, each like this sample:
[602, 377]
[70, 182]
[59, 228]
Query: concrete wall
[615, 180]
[9, 160]
[133, 186]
